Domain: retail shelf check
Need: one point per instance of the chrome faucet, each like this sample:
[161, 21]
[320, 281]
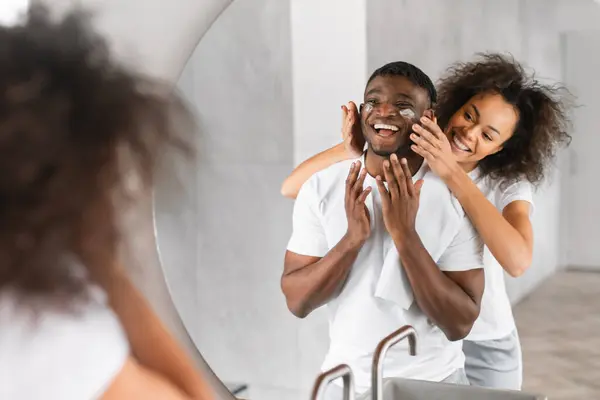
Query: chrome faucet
[323, 380]
[381, 351]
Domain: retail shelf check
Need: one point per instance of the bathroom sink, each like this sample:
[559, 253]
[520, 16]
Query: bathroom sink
[408, 389]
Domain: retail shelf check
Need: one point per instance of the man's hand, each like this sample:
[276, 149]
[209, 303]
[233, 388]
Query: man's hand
[400, 201]
[354, 140]
[359, 224]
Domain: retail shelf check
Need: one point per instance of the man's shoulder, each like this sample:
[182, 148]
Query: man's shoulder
[330, 178]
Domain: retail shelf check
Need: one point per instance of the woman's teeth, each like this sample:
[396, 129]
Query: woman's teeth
[460, 145]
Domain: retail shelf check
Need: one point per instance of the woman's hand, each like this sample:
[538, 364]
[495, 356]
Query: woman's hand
[354, 141]
[433, 145]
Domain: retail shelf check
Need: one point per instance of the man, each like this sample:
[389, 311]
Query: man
[366, 255]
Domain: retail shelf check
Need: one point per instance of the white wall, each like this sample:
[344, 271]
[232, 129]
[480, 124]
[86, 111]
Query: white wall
[583, 211]
[11, 9]
[578, 19]
[329, 68]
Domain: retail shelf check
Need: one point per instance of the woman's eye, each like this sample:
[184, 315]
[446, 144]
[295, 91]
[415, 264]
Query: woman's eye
[487, 137]
[468, 116]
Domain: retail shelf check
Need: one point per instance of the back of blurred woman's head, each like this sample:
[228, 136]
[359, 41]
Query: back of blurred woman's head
[79, 135]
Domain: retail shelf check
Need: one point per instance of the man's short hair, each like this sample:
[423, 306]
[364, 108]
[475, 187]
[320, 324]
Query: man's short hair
[409, 71]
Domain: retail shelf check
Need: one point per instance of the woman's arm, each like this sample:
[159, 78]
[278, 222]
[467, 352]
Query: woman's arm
[137, 382]
[508, 235]
[292, 184]
[152, 344]
[351, 147]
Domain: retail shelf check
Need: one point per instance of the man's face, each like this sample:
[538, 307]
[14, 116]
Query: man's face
[391, 105]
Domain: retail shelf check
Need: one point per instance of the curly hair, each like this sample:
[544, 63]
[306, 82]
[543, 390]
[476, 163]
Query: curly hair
[542, 109]
[76, 131]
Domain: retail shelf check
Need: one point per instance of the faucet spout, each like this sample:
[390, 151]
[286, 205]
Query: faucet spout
[386, 343]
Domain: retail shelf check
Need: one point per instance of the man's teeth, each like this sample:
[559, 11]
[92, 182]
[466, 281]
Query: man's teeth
[460, 145]
[388, 127]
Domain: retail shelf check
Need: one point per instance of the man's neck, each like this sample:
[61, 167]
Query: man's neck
[374, 162]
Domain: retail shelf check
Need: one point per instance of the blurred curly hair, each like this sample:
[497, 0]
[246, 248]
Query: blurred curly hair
[76, 131]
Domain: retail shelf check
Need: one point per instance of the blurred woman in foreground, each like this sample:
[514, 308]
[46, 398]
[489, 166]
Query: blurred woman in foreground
[80, 138]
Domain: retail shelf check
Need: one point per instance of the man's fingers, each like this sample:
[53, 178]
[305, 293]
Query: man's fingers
[352, 175]
[399, 174]
[410, 187]
[363, 196]
[358, 186]
[390, 179]
[385, 196]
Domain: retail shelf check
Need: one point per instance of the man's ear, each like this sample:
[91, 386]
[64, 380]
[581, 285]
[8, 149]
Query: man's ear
[429, 113]
[360, 107]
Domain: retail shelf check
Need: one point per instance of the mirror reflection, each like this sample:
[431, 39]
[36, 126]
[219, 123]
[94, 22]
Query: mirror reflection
[268, 91]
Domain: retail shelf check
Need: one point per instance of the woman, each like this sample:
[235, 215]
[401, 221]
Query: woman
[497, 135]
[80, 138]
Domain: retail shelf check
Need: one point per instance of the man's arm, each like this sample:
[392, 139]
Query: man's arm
[312, 274]
[310, 282]
[451, 299]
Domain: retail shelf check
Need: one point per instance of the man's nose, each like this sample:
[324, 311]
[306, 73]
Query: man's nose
[386, 110]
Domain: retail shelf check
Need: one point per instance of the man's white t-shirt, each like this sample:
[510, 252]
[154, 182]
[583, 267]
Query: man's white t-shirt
[496, 318]
[57, 355]
[358, 318]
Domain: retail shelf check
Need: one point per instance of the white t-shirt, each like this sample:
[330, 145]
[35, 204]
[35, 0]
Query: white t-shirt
[496, 318]
[59, 356]
[358, 318]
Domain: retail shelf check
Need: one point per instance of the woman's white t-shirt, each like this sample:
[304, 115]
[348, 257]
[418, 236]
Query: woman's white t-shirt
[59, 355]
[496, 318]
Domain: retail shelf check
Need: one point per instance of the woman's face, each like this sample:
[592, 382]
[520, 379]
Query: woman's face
[480, 128]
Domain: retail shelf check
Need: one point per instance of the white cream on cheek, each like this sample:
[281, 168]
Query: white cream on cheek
[408, 113]
[405, 112]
